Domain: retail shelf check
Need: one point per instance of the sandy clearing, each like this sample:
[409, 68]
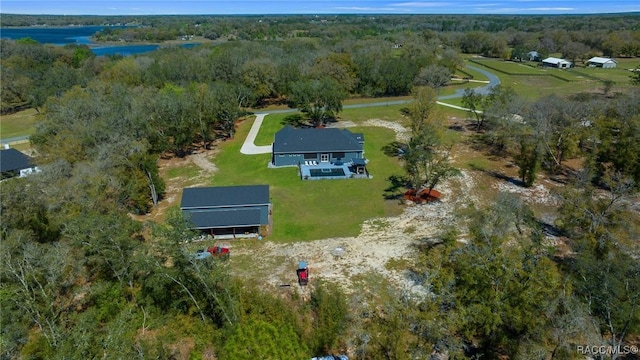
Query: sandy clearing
[380, 241]
[402, 133]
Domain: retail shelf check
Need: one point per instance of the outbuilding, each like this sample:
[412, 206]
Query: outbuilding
[228, 211]
[533, 56]
[557, 63]
[601, 62]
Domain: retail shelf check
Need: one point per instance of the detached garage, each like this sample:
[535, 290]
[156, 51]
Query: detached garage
[228, 211]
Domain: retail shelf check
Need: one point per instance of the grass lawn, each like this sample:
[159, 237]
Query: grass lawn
[18, 124]
[617, 75]
[627, 63]
[190, 171]
[270, 126]
[374, 100]
[474, 74]
[534, 87]
[386, 112]
[508, 66]
[309, 210]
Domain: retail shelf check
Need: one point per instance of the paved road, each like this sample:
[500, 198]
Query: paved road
[249, 147]
[14, 139]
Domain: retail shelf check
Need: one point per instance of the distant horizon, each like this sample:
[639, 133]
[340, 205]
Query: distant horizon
[316, 7]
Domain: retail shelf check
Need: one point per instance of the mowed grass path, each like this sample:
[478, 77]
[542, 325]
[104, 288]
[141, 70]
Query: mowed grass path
[310, 210]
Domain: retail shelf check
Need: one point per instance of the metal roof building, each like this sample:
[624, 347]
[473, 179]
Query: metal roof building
[228, 210]
[602, 62]
[557, 63]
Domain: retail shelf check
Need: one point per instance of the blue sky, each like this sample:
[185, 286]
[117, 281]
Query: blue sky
[175, 7]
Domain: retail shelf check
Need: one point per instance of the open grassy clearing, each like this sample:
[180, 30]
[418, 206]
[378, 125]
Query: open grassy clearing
[617, 75]
[535, 81]
[19, 124]
[308, 210]
[535, 86]
[270, 126]
[628, 63]
[528, 68]
[510, 67]
[374, 100]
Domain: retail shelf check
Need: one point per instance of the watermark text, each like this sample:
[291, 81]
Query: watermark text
[607, 350]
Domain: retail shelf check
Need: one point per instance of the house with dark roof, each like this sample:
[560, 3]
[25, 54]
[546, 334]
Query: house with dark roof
[228, 211]
[320, 153]
[15, 163]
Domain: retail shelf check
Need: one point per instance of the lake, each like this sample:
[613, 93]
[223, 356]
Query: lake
[77, 35]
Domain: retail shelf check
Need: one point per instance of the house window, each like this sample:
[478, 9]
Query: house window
[338, 155]
[324, 157]
[311, 156]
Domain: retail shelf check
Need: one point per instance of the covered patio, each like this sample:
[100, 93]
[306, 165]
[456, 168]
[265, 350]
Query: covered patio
[356, 168]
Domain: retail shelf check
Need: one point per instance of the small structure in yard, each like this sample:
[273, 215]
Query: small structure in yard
[557, 63]
[14, 163]
[303, 273]
[424, 196]
[602, 62]
[228, 211]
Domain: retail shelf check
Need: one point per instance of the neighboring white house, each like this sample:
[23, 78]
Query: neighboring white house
[557, 63]
[601, 62]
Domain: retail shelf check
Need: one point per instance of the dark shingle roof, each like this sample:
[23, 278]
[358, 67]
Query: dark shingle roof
[290, 140]
[12, 160]
[223, 218]
[224, 196]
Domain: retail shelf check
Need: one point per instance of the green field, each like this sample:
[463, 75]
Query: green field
[562, 82]
[619, 75]
[308, 210]
[474, 74]
[509, 67]
[18, 124]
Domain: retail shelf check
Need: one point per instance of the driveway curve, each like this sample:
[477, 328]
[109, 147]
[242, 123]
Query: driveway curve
[249, 147]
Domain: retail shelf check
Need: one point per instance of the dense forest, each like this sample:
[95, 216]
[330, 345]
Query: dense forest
[82, 279]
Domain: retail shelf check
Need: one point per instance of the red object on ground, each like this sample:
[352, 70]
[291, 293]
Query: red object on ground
[218, 251]
[303, 276]
[424, 196]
